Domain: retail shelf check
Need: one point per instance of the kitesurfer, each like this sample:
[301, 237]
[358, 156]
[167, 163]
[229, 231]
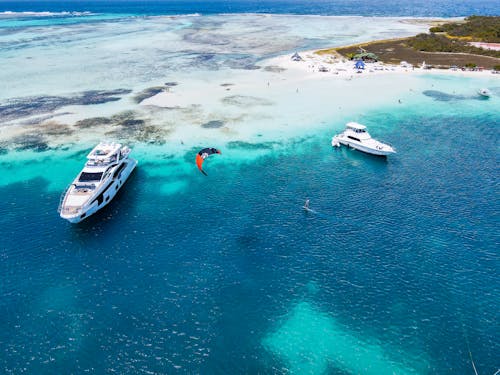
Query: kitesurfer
[306, 205]
[202, 155]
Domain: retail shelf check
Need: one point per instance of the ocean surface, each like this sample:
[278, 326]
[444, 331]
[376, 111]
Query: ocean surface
[395, 271]
[410, 8]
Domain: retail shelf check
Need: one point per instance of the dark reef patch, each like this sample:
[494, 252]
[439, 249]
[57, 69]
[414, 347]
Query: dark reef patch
[34, 142]
[245, 101]
[121, 117]
[129, 127]
[227, 84]
[208, 61]
[242, 62]
[204, 37]
[92, 122]
[445, 97]
[37, 105]
[4, 149]
[99, 96]
[252, 146]
[133, 123]
[148, 93]
[273, 69]
[152, 135]
[52, 128]
[214, 124]
[36, 139]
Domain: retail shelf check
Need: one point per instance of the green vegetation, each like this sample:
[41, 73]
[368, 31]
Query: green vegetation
[449, 45]
[436, 29]
[366, 56]
[440, 43]
[477, 28]
[496, 68]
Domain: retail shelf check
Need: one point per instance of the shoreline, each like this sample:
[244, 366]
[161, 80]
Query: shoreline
[340, 66]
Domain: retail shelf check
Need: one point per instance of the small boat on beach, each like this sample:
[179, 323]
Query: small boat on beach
[107, 168]
[485, 93]
[356, 136]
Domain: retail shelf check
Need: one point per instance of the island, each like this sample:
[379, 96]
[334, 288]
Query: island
[472, 43]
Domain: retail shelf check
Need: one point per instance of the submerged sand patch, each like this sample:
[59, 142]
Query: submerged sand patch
[310, 341]
[245, 101]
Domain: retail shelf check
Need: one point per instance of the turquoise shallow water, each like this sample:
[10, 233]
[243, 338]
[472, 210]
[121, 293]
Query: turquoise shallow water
[396, 270]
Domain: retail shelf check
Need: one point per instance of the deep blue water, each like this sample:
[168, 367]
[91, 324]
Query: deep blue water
[413, 8]
[403, 251]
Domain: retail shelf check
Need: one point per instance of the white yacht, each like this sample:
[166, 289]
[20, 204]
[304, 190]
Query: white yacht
[108, 167]
[484, 92]
[356, 136]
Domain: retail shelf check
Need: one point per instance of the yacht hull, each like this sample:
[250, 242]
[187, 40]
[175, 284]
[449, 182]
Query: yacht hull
[367, 150]
[105, 196]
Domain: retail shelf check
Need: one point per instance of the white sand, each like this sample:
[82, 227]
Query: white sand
[283, 104]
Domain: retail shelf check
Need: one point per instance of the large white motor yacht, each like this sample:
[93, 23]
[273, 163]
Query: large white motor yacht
[108, 167]
[356, 136]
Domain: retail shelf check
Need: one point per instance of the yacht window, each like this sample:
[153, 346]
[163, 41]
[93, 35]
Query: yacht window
[85, 176]
[356, 139]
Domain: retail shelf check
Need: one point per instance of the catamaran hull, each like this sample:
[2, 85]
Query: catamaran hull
[105, 196]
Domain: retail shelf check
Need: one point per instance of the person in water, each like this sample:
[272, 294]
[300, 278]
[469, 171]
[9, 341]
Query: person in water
[306, 205]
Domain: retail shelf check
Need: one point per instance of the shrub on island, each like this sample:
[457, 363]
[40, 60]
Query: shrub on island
[479, 28]
[439, 43]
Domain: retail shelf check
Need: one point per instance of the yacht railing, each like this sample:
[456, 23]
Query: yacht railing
[61, 198]
[70, 210]
[66, 210]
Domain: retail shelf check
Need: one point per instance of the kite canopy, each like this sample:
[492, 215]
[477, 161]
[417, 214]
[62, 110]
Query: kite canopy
[202, 155]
